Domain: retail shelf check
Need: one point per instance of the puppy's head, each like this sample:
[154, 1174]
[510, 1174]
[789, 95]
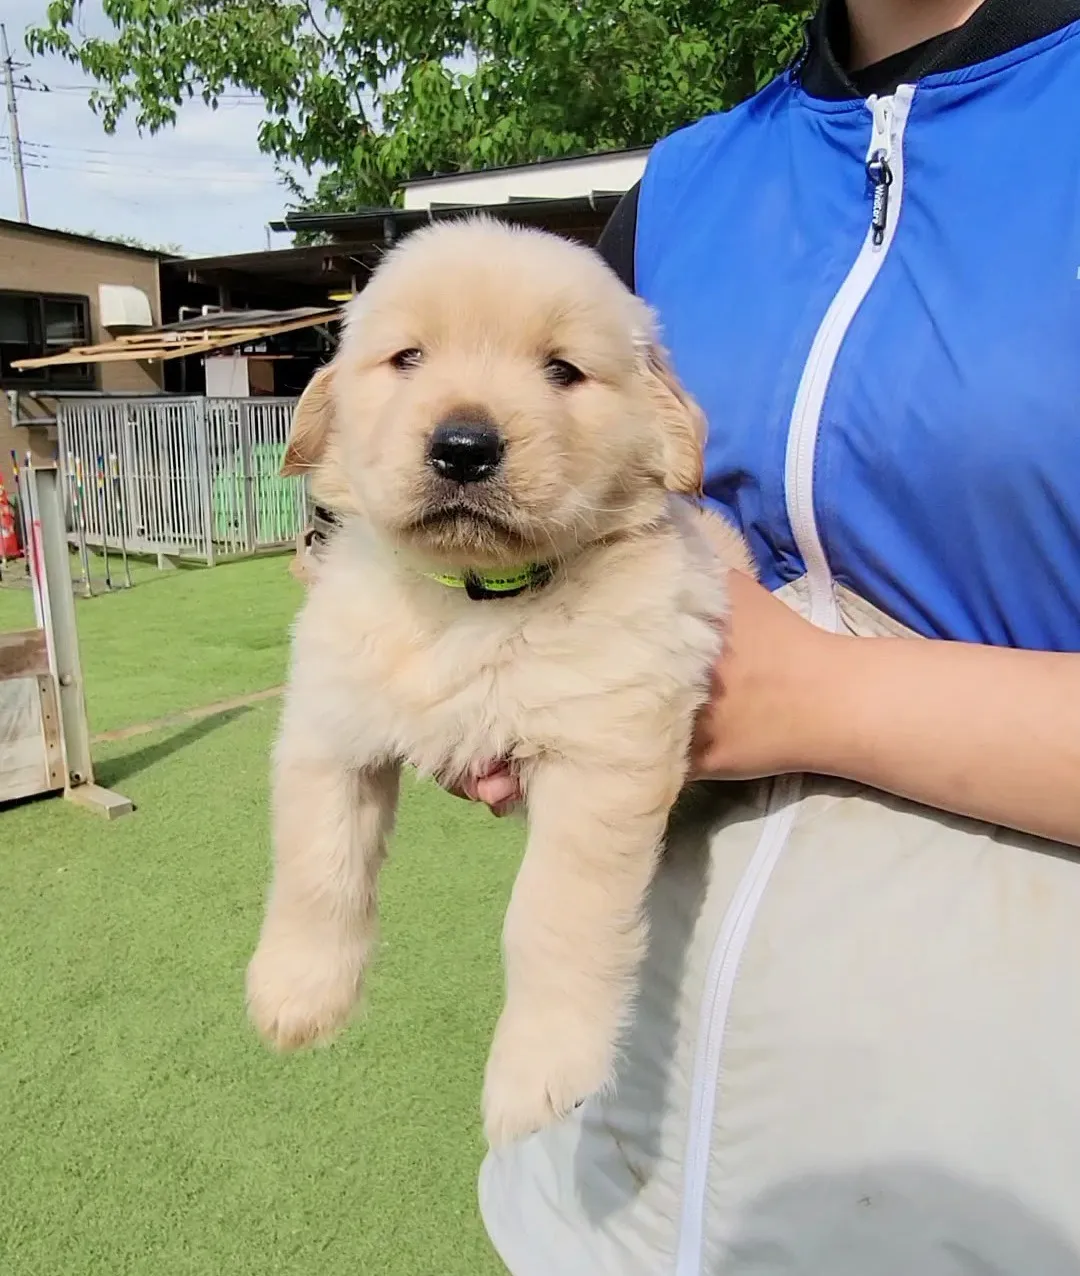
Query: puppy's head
[498, 396]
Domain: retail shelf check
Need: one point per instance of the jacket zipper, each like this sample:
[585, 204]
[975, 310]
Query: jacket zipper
[720, 977]
[879, 171]
[885, 170]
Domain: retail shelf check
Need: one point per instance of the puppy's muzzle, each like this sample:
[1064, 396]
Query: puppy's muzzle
[465, 449]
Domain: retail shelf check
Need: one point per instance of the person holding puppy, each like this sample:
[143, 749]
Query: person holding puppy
[856, 1047]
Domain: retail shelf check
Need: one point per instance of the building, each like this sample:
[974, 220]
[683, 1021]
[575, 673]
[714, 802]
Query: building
[58, 290]
[579, 177]
[573, 197]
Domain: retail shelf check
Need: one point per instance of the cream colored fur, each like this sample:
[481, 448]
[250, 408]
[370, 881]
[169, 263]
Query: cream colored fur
[590, 683]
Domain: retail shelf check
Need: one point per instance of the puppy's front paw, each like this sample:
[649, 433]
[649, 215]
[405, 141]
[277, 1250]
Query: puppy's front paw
[299, 993]
[540, 1068]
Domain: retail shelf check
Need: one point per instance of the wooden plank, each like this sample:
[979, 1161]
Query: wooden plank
[23, 654]
[23, 762]
[169, 345]
[51, 733]
[101, 801]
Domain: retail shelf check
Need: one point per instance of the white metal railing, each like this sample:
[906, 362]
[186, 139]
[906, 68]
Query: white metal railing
[178, 476]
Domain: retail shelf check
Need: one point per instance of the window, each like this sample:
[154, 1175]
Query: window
[32, 325]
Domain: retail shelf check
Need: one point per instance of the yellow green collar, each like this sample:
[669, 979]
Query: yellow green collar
[495, 584]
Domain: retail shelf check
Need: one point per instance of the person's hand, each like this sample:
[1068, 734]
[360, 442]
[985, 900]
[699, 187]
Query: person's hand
[759, 719]
[763, 712]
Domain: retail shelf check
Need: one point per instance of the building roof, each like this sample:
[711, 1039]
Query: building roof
[192, 336]
[47, 232]
[385, 225]
[232, 319]
[359, 239]
[418, 178]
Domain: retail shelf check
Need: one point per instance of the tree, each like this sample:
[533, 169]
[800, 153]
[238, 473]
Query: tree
[133, 241]
[375, 91]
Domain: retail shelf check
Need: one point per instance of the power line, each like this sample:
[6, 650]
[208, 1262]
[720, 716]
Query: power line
[40, 86]
[137, 155]
[184, 177]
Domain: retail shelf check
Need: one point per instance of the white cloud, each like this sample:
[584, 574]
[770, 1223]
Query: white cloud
[204, 184]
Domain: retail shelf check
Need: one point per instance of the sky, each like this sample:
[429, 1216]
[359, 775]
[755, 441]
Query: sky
[203, 185]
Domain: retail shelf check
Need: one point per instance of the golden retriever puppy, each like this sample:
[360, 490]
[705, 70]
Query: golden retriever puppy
[518, 572]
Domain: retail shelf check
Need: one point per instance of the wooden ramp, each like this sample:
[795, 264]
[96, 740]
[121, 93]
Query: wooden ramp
[31, 749]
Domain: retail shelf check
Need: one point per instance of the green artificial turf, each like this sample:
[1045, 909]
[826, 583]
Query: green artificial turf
[177, 639]
[143, 1129]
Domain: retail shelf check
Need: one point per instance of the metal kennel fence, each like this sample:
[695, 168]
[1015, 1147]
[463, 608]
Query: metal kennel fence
[180, 477]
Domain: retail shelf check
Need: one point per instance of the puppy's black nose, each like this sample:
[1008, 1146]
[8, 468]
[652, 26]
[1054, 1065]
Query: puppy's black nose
[465, 451]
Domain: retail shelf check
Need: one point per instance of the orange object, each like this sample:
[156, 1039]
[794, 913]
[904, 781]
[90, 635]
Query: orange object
[9, 539]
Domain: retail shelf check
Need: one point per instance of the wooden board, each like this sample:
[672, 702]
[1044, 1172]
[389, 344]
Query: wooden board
[30, 752]
[164, 344]
[23, 653]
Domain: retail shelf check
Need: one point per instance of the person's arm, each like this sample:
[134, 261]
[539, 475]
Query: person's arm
[987, 732]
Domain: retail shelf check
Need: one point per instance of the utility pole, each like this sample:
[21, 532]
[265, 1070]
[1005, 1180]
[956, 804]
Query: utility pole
[13, 121]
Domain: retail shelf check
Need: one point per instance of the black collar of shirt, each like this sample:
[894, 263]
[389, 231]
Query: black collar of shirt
[996, 27]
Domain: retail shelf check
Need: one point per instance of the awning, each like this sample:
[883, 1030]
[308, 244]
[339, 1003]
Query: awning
[192, 336]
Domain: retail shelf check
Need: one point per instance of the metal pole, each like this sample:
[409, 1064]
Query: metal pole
[103, 518]
[80, 526]
[202, 461]
[13, 123]
[84, 523]
[247, 489]
[73, 506]
[58, 621]
[121, 513]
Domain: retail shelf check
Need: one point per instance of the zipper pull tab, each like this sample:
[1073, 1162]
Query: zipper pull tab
[880, 174]
[877, 166]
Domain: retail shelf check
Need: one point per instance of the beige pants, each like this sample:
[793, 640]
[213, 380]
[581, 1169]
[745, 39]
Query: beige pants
[856, 1053]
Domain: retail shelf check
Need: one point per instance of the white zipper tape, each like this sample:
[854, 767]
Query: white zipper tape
[716, 1000]
[886, 142]
[886, 151]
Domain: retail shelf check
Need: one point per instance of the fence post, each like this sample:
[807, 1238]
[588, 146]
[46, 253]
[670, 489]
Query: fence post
[202, 464]
[58, 617]
[248, 478]
[132, 496]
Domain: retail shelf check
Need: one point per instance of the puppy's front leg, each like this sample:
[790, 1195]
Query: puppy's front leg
[574, 936]
[330, 830]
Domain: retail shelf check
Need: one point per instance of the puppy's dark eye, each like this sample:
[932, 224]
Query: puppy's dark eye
[562, 373]
[406, 359]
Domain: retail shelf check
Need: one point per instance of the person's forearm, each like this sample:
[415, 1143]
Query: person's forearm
[980, 731]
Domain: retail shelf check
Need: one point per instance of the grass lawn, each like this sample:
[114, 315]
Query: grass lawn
[142, 1128]
[178, 639]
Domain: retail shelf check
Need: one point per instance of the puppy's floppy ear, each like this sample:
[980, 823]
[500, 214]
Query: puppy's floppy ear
[682, 422]
[312, 422]
[314, 447]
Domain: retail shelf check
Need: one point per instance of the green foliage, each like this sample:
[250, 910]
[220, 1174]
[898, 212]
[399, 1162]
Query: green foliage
[375, 91]
[133, 241]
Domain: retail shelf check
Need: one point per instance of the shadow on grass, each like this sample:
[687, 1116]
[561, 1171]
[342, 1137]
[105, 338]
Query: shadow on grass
[115, 770]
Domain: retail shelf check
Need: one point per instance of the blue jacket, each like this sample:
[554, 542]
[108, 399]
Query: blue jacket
[878, 306]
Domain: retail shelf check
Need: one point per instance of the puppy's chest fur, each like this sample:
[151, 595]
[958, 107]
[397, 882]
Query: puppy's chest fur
[387, 663]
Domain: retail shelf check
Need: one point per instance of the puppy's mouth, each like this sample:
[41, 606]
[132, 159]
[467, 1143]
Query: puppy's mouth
[460, 515]
[468, 528]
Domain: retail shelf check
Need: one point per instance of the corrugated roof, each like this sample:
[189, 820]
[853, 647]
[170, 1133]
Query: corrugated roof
[193, 336]
[242, 318]
[389, 222]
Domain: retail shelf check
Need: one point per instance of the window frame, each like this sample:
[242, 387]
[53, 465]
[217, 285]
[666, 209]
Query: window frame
[67, 376]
